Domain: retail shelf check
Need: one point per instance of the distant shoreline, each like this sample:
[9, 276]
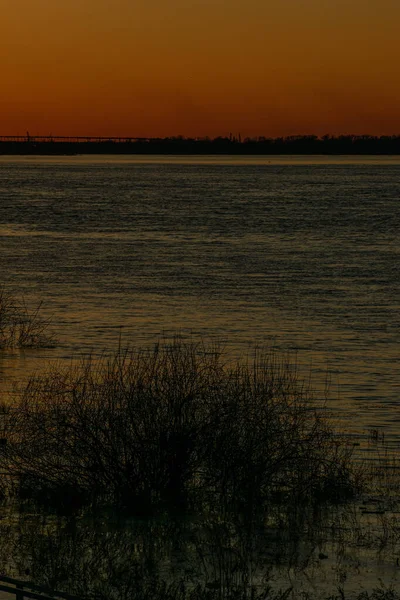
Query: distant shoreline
[301, 145]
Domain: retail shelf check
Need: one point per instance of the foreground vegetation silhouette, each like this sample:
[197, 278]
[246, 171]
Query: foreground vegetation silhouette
[177, 472]
[175, 428]
[21, 327]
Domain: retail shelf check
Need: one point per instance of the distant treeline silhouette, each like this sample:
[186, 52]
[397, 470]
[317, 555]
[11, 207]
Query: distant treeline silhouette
[294, 144]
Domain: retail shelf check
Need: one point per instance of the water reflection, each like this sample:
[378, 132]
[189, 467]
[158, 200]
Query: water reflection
[110, 558]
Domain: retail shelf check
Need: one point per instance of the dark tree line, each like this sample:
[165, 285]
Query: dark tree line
[295, 144]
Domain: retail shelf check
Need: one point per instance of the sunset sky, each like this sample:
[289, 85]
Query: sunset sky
[199, 67]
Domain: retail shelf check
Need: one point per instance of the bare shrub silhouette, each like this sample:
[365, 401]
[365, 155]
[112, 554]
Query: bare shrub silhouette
[21, 327]
[177, 427]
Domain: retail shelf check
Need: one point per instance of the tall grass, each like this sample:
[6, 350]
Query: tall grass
[178, 427]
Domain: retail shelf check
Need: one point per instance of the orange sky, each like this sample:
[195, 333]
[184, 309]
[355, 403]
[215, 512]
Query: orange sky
[199, 67]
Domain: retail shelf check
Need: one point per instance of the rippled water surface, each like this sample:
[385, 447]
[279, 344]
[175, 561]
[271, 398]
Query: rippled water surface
[296, 252]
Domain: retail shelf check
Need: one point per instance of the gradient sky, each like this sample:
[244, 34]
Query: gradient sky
[199, 67]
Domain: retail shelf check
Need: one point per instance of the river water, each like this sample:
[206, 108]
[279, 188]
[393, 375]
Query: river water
[298, 253]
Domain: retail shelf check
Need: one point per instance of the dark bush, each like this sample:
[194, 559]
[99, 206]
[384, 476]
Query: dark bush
[178, 427]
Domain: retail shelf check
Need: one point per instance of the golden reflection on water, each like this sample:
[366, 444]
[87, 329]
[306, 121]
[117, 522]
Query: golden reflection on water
[299, 253]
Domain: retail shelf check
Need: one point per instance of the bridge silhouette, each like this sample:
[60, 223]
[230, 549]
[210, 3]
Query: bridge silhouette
[32, 139]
